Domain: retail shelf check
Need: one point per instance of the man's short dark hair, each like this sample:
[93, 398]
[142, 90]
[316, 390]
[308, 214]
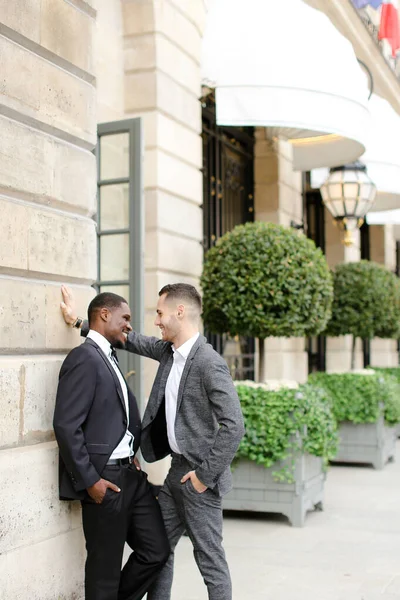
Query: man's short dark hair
[104, 300]
[182, 291]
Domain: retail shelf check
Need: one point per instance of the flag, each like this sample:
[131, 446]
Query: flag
[389, 27]
[362, 3]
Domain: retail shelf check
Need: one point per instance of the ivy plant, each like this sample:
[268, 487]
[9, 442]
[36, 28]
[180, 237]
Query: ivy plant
[263, 280]
[358, 398]
[394, 371]
[280, 424]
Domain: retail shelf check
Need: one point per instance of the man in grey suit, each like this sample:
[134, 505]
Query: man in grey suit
[194, 414]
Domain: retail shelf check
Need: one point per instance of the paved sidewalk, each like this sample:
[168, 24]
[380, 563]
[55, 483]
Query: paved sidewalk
[351, 551]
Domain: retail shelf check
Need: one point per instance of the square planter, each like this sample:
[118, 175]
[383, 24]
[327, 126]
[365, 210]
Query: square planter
[368, 443]
[255, 489]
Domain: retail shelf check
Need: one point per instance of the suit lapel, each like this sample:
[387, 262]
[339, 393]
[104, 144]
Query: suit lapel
[111, 369]
[188, 365]
[164, 378]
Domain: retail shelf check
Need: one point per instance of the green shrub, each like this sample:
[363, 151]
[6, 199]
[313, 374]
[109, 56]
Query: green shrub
[357, 397]
[390, 390]
[282, 423]
[394, 371]
[366, 301]
[263, 280]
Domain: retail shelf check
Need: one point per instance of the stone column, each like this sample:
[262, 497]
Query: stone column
[278, 199]
[383, 250]
[109, 60]
[163, 86]
[338, 350]
[47, 200]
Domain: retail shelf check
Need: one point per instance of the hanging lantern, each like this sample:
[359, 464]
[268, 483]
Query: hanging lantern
[348, 194]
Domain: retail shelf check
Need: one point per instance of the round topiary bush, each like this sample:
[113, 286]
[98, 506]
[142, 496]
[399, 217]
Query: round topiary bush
[366, 302]
[264, 280]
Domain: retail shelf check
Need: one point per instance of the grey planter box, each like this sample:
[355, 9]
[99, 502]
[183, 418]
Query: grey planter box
[255, 489]
[368, 443]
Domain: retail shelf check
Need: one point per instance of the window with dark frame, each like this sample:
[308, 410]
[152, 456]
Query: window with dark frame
[120, 227]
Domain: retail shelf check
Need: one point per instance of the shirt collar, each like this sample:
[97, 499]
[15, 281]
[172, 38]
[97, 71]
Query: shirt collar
[100, 341]
[185, 349]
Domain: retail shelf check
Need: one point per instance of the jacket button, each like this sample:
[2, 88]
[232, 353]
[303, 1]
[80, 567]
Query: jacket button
[125, 422]
[151, 417]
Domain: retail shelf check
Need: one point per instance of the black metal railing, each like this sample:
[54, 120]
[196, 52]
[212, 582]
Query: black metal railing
[241, 366]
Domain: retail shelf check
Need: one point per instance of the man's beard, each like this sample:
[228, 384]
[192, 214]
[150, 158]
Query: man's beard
[118, 345]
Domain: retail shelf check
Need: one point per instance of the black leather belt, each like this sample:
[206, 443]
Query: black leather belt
[120, 461]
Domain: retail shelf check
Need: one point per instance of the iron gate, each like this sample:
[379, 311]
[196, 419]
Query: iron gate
[228, 189]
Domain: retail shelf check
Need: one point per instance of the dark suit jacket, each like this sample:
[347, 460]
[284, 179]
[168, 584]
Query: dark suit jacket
[89, 418]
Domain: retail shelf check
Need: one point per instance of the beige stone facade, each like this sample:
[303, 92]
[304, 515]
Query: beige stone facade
[47, 201]
[68, 65]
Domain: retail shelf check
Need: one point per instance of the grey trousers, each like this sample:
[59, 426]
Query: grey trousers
[200, 515]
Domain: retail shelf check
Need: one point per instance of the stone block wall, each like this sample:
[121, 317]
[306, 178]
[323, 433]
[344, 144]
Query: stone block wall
[162, 51]
[48, 237]
[278, 188]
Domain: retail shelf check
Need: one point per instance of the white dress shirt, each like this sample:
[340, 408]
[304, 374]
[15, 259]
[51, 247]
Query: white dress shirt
[125, 447]
[172, 388]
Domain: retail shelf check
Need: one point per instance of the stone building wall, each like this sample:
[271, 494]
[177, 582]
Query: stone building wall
[47, 199]
[162, 51]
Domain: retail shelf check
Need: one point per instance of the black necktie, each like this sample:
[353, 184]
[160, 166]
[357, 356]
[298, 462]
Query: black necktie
[114, 354]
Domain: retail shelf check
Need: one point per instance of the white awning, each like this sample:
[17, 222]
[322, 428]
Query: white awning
[386, 217]
[283, 65]
[382, 159]
[382, 156]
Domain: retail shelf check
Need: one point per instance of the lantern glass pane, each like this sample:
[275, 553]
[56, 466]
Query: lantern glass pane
[335, 191]
[336, 177]
[350, 206]
[351, 191]
[337, 208]
[350, 176]
[324, 193]
[366, 191]
[362, 208]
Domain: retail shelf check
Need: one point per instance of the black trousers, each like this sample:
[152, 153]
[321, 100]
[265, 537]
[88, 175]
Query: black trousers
[133, 516]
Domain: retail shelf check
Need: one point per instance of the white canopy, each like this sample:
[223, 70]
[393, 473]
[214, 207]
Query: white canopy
[386, 217]
[382, 159]
[382, 156]
[283, 65]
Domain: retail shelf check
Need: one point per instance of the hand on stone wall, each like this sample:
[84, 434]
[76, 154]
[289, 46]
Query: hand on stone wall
[68, 306]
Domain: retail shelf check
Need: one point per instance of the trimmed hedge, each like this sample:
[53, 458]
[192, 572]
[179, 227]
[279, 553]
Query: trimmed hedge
[394, 371]
[262, 280]
[279, 424]
[357, 397]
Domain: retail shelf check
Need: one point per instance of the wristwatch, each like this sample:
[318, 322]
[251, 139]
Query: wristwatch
[77, 323]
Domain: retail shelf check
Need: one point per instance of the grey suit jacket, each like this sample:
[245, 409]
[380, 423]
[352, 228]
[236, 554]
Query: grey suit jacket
[209, 422]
